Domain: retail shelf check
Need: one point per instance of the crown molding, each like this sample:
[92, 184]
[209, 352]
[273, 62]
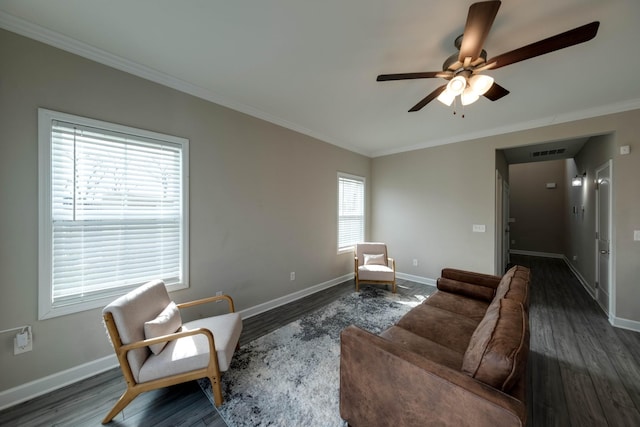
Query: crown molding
[71, 45]
[632, 104]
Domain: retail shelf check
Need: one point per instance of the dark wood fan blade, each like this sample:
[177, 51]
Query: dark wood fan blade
[479, 21]
[407, 76]
[496, 92]
[427, 99]
[568, 38]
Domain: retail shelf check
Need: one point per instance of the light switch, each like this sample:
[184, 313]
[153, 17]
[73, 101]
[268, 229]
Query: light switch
[478, 228]
[636, 234]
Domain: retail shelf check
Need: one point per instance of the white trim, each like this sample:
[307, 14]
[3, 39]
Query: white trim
[345, 175]
[611, 310]
[632, 325]
[534, 253]
[35, 388]
[46, 308]
[581, 279]
[417, 279]
[52, 38]
[269, 305]
[619, 107]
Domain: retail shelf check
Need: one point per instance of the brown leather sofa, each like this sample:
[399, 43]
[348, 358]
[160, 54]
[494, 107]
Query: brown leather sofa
[457, 359]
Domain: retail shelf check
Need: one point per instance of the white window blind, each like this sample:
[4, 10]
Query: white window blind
[351, 216]
[117, 213]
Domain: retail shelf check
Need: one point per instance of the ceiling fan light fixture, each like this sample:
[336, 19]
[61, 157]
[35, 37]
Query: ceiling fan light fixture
[446, 97]
[457, 85]
[480, 83]
[468, 96]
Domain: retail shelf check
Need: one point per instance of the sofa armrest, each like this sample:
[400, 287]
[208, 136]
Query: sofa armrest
[487, 280]
[383, 383]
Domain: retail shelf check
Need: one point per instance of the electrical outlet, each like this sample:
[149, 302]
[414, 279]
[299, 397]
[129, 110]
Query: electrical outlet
[23, 341]
[415, 262]
[219, 293]
[292, 276]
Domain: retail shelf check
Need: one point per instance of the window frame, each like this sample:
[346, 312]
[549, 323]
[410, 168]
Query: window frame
[46, 307]
[363, 180]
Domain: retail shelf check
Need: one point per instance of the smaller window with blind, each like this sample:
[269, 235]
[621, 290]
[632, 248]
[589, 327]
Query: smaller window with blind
[351, 217]
[113, 211]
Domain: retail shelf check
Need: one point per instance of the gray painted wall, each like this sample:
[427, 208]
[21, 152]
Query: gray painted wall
[539, 212]
[425, 202]
[263, 199]
[581, 242]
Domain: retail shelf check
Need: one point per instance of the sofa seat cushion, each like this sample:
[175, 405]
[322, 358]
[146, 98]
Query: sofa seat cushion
[226, 331]
[375, 272]
[498, 349]
[469, 307]
[444, 327]
[424, 347]
[192, 352]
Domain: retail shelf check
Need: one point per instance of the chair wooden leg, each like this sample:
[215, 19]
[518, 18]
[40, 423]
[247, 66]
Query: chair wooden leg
[216, 388]
[124, 400]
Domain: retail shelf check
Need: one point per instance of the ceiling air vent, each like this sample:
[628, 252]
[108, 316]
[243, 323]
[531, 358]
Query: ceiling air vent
[548, 152]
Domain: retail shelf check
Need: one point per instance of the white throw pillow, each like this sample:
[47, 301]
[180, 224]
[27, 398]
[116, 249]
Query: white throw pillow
[167, 322]
[374, 259]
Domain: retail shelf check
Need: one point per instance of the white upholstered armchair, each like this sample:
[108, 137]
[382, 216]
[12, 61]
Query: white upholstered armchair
[373, 265]
[155, 349]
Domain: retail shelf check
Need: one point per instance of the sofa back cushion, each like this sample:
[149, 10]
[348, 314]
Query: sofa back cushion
[498, 349]
[515, 286]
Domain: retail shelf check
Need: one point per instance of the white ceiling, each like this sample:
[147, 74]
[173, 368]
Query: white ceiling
[311, 65]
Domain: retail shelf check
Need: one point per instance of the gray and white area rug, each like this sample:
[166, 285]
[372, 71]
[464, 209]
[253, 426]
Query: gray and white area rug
[291, 376]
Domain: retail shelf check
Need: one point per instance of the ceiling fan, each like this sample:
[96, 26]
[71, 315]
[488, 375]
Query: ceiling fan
[463, 69]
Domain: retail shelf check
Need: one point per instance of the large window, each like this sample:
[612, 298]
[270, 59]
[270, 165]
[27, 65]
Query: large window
[113, 211]
[351, 218]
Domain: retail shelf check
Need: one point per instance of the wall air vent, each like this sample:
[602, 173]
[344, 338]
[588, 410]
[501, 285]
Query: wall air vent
[548, 152]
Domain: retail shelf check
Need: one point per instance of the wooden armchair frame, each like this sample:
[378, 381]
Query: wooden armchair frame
[134, 388]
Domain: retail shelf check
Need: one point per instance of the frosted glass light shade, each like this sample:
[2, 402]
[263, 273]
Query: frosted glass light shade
[480, 83]
[446, 97]
[468, 96]
[457, 85]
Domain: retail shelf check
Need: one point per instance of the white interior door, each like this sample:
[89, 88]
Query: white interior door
[603, 236]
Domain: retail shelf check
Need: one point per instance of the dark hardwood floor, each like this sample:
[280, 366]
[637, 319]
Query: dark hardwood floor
[582, 371]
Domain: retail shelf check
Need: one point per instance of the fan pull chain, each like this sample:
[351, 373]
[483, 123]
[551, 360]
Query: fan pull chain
[455, 106]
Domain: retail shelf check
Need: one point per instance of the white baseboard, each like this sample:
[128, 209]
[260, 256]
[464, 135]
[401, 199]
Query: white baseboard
[30, 390]
[24, 392]
[417, 279]
[261, 308]
[618, 322]
[534, 253]
[632, 325]
[581, 279]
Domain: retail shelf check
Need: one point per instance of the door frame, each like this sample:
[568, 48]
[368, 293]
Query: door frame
[502, 245]
[612, 283]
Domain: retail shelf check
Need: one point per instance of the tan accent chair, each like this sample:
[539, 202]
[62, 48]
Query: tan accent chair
[373, 265]
[155, 349]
